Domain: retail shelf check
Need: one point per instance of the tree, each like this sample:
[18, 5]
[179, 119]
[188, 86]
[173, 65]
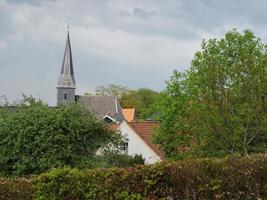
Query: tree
[115, 158]
[3, 100]
[111, 90]
[218, 106]
[140, 99]
[36, 137]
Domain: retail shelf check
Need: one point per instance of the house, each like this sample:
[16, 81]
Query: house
[137, 135]
[129, 114]
[138, 140]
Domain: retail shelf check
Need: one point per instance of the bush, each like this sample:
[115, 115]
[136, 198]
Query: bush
[20, 189]
[36, 137]
[230, 178]
[114, 159]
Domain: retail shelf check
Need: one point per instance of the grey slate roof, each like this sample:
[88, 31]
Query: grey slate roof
[66, 78]
[101, 106]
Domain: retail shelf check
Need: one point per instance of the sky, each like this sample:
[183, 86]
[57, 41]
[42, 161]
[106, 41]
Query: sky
[133, 43]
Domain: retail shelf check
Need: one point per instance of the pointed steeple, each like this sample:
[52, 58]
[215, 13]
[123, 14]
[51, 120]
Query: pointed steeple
[66, 78]
[66, 82]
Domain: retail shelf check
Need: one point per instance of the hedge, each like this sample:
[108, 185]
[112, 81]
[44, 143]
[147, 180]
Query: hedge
[230, 178]
[20, 189]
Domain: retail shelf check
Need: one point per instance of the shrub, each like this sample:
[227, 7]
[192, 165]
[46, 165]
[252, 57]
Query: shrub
[230, 178]
[115, 159]
[20, 189]
[36, 137]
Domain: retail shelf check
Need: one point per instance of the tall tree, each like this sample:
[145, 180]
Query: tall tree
[111, 90]
[141, 99]
[36, 137]
[218, 106]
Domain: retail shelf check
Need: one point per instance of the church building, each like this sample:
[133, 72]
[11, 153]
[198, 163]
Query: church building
[138, 135]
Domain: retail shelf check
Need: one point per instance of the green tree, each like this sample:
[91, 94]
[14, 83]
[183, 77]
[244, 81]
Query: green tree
[115, 159]
[141, 99]
[111, 90]
[218, 106]
[3, 100]
[36, 137]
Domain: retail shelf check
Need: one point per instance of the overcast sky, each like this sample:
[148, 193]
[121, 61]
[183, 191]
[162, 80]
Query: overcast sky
[134, 43]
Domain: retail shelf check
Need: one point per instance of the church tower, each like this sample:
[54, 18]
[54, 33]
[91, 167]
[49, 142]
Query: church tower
[66, 82]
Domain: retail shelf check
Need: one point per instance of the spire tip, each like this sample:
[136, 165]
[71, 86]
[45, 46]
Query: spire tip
[68, 28]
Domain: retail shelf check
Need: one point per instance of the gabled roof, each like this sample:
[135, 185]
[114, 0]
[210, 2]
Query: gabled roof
[66, 78]
[102, 106]
[129, 114]
[145, 131]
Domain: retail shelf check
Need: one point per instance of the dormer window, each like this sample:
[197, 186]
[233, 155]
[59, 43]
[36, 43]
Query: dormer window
[108, 119]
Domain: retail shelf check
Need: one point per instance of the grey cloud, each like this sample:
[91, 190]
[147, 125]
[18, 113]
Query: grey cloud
[139, 12]
[29, 2]
[209, 14]
[5, 24]
[133, 43]
[21, 2]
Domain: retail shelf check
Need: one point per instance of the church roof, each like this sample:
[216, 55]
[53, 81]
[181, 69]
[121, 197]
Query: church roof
[102, 106]
[66, 78]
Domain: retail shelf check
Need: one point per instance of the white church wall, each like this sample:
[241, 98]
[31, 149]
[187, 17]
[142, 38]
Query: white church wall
[136, 145]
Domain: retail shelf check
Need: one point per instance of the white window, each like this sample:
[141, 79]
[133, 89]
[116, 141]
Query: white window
[124, 146]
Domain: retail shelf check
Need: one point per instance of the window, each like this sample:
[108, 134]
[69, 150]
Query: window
[109, 119]
[65, 96]
[124, 146]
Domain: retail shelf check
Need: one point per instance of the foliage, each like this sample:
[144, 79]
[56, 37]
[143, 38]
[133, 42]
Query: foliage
[3, 100]
[231, 178]
[19, 189]
[36, 137]
[111, 90]
[218, 106]
[115, 159]
[140, 99]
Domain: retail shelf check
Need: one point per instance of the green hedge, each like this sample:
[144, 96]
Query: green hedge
[231, 178]
[20, 189]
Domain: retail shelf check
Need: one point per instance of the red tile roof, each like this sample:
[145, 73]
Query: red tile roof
[145, 131]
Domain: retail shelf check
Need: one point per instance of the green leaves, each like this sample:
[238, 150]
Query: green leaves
[140, 99]
[229, 178]
[36, 137]
[219, 103]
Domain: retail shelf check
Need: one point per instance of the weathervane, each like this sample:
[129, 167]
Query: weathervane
[68, 27]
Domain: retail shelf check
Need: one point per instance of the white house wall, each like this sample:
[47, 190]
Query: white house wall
[136, 145]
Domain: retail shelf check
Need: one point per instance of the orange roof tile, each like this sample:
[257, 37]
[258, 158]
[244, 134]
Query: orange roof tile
[145, 131]
[129, 114]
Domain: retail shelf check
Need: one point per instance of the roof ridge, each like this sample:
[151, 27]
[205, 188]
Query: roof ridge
[98, 96]
[136, 122]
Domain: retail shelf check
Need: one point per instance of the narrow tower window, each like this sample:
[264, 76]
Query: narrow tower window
[65, 96]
